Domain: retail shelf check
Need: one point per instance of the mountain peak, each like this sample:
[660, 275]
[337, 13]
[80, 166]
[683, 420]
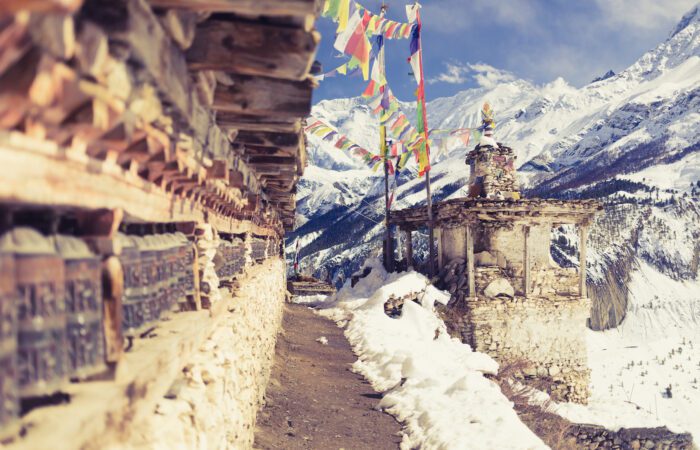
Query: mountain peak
[605, 76]
[690, 17]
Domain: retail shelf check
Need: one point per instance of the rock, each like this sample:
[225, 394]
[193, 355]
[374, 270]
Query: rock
[554, 370]
[499, 287]
[635, 444]
[485, 259]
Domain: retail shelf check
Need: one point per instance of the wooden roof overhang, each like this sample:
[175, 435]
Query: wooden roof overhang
[203, 99]
[469, 210]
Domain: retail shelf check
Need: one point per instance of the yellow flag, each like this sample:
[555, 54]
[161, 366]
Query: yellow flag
[343, 70]
[343, 15]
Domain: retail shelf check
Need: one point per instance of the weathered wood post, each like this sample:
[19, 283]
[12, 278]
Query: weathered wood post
[408, 239]
[582, 238]
[526, 261]
[470, 259]
[440, 249]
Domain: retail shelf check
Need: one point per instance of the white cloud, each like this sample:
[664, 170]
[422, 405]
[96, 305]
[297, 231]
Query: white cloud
[483, 74]
[488, 76]
[647, 14]
[454, 74]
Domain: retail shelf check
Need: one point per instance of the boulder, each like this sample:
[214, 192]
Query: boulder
[499, 287]
[485, 259]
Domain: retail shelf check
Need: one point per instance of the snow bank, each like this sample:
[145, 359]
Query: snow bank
[432, 383]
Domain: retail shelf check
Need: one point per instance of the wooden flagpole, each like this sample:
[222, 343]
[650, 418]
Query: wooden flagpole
[388, 247]
[421, 90]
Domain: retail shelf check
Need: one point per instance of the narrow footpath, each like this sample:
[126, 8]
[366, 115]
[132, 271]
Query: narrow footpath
[313, 400]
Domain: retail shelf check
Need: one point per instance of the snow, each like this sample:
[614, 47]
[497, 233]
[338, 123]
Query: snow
[656, 345]
[432, 383]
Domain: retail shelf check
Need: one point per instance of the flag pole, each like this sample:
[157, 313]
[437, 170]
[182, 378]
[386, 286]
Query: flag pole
[421, 90]
[388, 247]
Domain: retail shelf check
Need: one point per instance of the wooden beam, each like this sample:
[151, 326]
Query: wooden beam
[43, 6]
[234, 121]
[181, 25]
[260, 96]
[250, 7]
[582, 242]
[268, 139]
[251, 48]
[470, 260]
[279, 161]
[526, 261]
[438, 236]
[408, 239]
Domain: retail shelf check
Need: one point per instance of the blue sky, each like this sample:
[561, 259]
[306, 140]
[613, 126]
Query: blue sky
[468, 43]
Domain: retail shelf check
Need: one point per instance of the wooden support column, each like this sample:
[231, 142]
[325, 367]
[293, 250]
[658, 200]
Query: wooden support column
[526, 261]
[408, 238]
[469, 244]
[440, 250]
[582, 238]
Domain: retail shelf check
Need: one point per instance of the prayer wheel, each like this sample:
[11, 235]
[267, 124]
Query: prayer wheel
[9, 398]
[41, 337]
[188, 250]
[258, 249]
[134, 295]
[151, 274]
[86, 346]
[238, 256]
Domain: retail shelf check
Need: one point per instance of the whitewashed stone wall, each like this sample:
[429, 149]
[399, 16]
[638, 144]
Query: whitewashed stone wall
[548, 333]
[222, 387]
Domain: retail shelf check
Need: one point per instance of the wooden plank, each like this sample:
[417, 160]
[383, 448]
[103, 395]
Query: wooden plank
[470, 260]
[268, 139]
[261, 96]
[43, 6]
[526, 261]
[251, 48]
[251, 7]
[582, 243]
[228, 120]
[131, 23]
[181, 25]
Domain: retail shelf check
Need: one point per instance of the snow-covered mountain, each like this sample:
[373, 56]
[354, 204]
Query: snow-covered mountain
[631, 139]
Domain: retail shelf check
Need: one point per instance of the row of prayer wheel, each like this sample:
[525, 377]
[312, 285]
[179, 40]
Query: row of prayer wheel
[158, 278]
[51, 305]
[232, 257]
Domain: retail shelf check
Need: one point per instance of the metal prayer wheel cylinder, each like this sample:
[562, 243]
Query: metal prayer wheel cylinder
[132, 302]
[188, 275]
[238, 256]
[151, 274]
[172, 252]
[258, 248]
[9, 398]
[41, 337]
[185, 259]
[86, 346]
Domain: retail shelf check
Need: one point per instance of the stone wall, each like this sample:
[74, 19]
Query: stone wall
[492, 172]
[215, 403]
[548, 333]
[593, 437]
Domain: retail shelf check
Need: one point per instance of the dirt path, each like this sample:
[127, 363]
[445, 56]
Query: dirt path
[314, 401]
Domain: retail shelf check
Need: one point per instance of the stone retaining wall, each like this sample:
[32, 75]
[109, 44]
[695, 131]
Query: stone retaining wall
[593, 437]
